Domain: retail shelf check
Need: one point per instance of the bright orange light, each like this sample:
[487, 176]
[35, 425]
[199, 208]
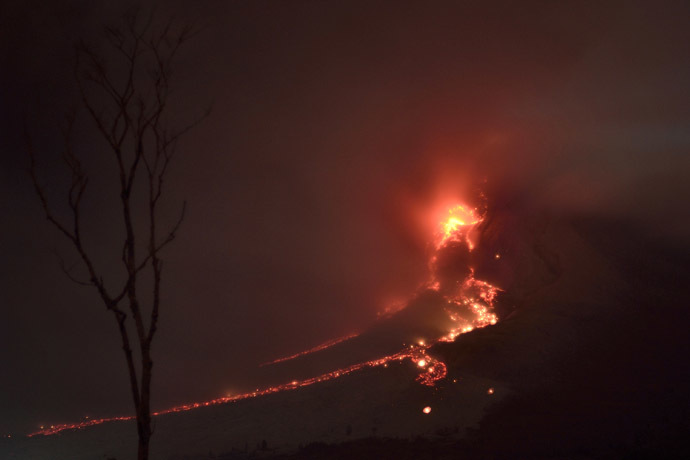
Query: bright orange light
[421, 363]
[456, 226]
[426, 410]
[490, 391]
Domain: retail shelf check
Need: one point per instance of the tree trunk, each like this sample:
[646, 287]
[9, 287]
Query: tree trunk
[144, 415]
[143, 453]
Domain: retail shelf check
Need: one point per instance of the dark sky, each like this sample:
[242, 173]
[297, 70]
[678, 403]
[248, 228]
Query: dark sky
[339, 130]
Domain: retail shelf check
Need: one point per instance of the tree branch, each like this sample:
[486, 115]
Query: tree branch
[129, 111]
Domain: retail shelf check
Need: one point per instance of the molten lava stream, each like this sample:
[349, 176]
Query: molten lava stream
[320, 347]
[434, 370]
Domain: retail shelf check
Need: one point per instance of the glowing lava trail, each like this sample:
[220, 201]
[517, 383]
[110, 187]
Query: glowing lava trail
[468, 304]
[323, 346]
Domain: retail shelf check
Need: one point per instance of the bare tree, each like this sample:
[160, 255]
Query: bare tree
[128, 106]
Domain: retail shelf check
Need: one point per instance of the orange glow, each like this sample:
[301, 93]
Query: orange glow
[469, 308]
[457, 225]
[490, 391]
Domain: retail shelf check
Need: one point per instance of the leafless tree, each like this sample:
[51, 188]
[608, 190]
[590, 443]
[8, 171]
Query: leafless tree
[128, 106]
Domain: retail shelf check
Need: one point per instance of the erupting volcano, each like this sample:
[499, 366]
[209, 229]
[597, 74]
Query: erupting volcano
[465, 304]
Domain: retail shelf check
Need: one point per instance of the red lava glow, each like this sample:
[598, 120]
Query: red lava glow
[469, 308]
[320, 347]
[439, 371]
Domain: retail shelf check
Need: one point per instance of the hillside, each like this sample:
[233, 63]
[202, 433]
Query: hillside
[588, 360]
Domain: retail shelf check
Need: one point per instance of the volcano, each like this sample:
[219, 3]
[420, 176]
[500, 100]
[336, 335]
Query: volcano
[584, 358]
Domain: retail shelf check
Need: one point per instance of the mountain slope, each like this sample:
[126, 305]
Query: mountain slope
[588, 360]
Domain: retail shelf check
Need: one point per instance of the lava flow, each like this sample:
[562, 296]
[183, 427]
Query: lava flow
[320, 347]
[468, 306]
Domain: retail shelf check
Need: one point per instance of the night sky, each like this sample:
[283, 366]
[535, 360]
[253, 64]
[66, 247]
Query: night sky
[338, 131]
